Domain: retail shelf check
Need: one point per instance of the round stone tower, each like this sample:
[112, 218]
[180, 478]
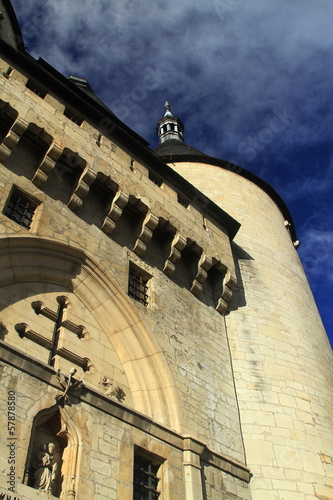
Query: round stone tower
[282, 359]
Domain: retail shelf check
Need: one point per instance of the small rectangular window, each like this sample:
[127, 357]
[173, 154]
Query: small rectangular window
[145, 478]
[72, 115]
[21, 208]
[138, 285]
[36, 88]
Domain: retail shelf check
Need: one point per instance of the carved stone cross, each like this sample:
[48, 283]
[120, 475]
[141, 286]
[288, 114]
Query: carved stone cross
[60, 319]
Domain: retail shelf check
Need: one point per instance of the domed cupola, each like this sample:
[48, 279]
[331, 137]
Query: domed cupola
[169, 127]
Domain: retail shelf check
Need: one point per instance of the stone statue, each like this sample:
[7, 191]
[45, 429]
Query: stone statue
[113, 389]
[46, 468]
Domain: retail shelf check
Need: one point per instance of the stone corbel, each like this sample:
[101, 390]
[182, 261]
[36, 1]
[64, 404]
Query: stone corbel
[118, 204]
[146, 230]
[225, 293]
[177, 245]
[47, 165]
[82, 189]
[12, 138]
[203, 266]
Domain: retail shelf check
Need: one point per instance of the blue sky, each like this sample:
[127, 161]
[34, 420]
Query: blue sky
[229, 69]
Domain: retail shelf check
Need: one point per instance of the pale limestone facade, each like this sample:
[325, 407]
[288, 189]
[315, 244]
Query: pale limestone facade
[208, 381]
[280, 352]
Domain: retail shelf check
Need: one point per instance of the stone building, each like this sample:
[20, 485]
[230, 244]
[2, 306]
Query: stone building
[158, 335]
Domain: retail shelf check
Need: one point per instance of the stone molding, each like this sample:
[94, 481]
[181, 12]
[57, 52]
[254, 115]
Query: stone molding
[91, 397]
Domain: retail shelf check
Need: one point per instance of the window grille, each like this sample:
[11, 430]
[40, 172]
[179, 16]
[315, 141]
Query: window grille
[137, 287]
[145, 479]
[21, 209]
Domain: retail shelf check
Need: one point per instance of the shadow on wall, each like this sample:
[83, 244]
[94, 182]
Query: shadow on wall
[238, 298]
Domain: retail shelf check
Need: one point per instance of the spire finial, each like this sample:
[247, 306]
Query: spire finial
[170, 127]
[167, 109]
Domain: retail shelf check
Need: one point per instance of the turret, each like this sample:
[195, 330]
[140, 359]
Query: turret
[170, 127]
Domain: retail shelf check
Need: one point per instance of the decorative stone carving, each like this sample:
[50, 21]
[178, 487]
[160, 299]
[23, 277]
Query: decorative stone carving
[53, 454]
[12, 138]
[204, 264]
[113, 389]
[82, 189]
[47, 165]
[178, 244]
[146, 229]
[116, 209]
[46, 468]
[64, 303]
[71, 387]
[54, 345]
[224, 292]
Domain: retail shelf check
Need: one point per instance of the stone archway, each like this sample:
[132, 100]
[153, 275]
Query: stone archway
[24, 259]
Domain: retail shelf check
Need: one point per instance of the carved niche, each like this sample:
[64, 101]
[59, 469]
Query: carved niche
[52, 460]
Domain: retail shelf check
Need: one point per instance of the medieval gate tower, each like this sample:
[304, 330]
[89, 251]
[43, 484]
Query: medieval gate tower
[159, 339]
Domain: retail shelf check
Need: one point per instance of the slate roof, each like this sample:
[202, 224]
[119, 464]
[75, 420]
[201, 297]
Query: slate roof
[173, 147]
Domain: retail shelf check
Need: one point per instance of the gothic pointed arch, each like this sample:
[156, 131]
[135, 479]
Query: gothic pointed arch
[26, 259]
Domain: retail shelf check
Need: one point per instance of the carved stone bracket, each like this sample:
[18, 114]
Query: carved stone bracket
[178, 244]
[82, 189]
[116, 209]
[146, 229]
[204, 264]
[47, 165]
[225, 294]
[12, 138]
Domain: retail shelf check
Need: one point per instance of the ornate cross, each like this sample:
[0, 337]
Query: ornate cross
[61, 321]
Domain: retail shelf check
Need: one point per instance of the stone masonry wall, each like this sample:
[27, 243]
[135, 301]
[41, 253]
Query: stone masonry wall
[281, 355]
[170, 358]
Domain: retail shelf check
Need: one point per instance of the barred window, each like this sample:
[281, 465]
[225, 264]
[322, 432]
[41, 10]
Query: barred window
[145, 478]
[21, 208]
[137, 286]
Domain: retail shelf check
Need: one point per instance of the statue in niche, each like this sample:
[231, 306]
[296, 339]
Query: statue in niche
[45, 468]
